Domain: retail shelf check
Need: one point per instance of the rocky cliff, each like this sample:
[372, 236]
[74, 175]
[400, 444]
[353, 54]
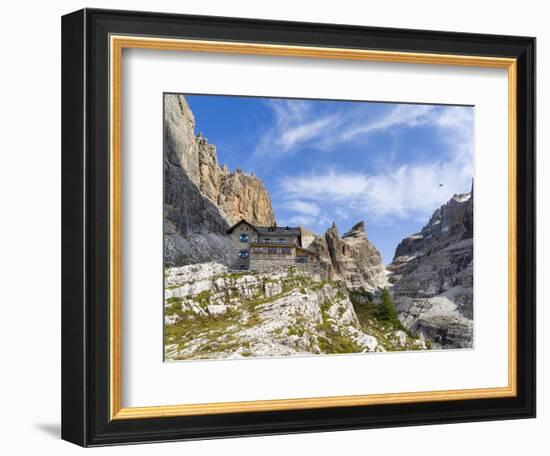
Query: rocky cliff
[212, 313]
[202, 200]
[243, 196]
[194, 227]
[236, 194]
[351, 258]
[432, 276]
[307, 236]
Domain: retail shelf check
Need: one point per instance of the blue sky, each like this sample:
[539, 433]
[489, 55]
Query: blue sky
[345, 161]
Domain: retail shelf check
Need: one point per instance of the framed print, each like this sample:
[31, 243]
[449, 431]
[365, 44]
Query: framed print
[278, 227]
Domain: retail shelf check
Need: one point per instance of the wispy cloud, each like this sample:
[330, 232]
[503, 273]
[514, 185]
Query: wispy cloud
[293, 124]
[307, 220]
[408, 190]
[400, 115]
[302, 212]
[297, 124]
[303, 207]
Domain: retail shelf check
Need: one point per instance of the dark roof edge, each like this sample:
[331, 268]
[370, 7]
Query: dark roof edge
[267, 229]
[240, 222]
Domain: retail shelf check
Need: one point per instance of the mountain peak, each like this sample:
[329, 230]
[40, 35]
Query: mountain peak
[359, 226]
[333, 231]
[440, 258]
[352, 258]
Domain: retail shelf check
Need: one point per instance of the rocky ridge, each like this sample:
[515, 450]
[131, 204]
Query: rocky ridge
[236, 194]
[432, 276]
[194, 227]
[351, 258]
[212, 313]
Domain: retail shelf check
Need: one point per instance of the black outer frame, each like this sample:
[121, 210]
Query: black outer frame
[85, 227]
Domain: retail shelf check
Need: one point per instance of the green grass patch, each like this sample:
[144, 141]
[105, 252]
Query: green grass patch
[380, 320]
[334, 342]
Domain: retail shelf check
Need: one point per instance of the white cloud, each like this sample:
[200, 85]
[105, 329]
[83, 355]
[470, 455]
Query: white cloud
[303, 207]
[458, 118]
[401, 115]
[297, 124]
[340, 186]
[410, 191]
[407, 191]
[302, 212]
[293, 124]
[304, 220]
[293, 136]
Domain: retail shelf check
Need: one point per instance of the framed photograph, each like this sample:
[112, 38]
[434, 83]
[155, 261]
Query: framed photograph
[278, 227]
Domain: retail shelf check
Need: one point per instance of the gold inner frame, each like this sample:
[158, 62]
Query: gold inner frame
[117, 44]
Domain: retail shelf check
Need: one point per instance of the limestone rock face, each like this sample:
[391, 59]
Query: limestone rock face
[432, 276]
[201, 199]
[243, 196]
[452, 222]
[352, 258]
[194, 227]
[307, 236]
[180, 146]
[236, 194]
[212, 313]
